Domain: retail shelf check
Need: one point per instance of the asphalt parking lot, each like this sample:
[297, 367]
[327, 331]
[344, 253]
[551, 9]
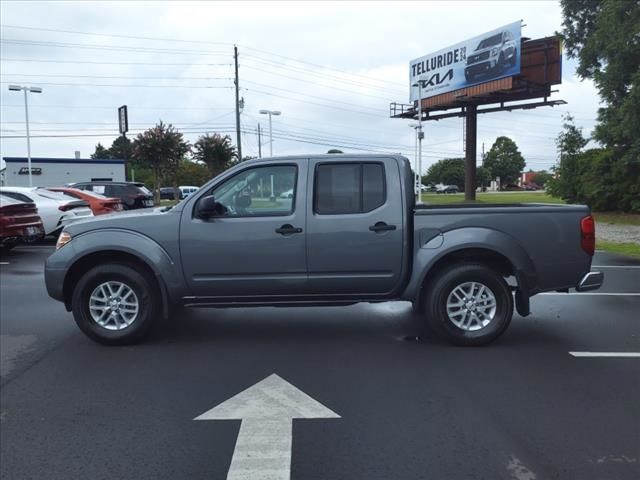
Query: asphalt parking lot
[404, 405]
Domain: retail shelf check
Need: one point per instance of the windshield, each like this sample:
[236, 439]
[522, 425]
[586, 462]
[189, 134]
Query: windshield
[491, 41]
[145, 190]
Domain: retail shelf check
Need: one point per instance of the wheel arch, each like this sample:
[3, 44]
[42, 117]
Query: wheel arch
[90, 260]
[495, 249]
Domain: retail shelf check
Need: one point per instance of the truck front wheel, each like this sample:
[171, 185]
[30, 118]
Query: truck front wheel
[469, 304]
[115, 304]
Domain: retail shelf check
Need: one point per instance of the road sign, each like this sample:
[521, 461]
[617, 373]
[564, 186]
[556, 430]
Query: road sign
[123, 119]
[267, 410]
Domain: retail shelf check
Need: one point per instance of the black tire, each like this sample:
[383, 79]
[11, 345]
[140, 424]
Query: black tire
[439, 289]
[144, 289]
[513, 57]
[500, 64]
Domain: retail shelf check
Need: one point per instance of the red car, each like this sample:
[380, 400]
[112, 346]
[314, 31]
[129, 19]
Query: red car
[19, 223]
[99, 204]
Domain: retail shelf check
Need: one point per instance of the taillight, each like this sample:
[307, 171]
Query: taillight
[588, 234]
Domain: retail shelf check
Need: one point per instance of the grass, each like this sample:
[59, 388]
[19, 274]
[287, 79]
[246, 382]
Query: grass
[617, 218]
[501, 197]
[629, 249]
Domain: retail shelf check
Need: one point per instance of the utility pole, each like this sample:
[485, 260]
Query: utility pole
[259, 142]
[239, 140]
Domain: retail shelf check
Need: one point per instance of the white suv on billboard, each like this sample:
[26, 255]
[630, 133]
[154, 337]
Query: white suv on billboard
[492, 55]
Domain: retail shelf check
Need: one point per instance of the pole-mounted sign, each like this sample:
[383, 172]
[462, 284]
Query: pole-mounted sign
[123, 119]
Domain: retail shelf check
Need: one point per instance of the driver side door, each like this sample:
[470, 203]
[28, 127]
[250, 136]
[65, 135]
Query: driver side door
[255, 245]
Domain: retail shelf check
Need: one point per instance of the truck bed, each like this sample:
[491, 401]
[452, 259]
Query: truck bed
[548, 233]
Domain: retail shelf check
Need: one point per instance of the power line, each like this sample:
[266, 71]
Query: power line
[306, 95]
[314, 83]
[371, 79]
[55, 75]
[115, 48]
[22, 27]
[95, 34]
[112, 107]
[320, 75]
[121, 85]
[89, 62]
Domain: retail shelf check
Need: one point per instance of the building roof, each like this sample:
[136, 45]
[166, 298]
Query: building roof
[108, 161]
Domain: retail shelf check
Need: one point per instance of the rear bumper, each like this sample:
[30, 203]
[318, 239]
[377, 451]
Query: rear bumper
[591, 281]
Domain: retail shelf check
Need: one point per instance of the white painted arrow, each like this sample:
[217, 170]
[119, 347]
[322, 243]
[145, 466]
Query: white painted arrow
[267, 410]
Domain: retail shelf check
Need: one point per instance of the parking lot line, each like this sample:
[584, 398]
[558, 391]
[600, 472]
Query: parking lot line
[606, 354]
[4, 263]
[598, 294]
[615, 266]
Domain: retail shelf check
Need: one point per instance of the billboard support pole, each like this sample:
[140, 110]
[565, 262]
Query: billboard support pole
[420, 137]
[471, 119]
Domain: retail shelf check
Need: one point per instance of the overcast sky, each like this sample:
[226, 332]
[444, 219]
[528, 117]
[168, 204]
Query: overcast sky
[331, 68]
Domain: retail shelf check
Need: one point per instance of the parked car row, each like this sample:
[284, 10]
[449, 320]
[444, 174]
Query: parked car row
[19, 222]
[28, 214]
[168, 193]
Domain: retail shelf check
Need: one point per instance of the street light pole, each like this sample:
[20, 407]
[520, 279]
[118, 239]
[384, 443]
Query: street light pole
[270, 113]
[17, 88]
[420, 137]
[416, 187]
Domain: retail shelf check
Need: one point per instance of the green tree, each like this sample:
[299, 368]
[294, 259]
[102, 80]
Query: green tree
[570, 144]
[162, 149]
[448, 171]
[335, 150]
[101, 152]
[216, 152]
[121, 148]
[542, 177]
[504, 160]
[603, 36]
[193, 173]
[483, 177]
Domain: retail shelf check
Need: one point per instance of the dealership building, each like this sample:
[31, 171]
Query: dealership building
[51, 172]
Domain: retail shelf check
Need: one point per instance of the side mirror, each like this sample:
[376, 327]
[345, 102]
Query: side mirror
[207, 207]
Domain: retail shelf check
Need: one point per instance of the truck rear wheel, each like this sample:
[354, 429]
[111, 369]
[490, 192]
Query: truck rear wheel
[114, 304]
[469, 304]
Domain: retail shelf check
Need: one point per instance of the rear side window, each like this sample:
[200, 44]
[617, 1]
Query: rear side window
[342, 188]
[17, 196]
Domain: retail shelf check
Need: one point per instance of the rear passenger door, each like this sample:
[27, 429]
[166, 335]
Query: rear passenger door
[354, 226]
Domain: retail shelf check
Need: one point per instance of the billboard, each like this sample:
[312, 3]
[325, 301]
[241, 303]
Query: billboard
[493, 55]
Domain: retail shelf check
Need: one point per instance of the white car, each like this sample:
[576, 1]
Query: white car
[186, 190]
[56, 209]
[287, 194]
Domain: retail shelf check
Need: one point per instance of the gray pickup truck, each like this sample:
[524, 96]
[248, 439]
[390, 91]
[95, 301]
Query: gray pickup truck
[320, 230]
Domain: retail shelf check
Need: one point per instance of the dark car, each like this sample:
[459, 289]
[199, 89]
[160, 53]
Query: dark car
[492, 56]
[448, 189]
[133, 194]
[169, 193]
[19, 223]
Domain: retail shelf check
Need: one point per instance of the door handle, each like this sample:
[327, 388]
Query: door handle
[381, 227]
[288, 229]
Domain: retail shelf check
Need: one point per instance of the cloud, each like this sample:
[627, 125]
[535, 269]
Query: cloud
[352, 61]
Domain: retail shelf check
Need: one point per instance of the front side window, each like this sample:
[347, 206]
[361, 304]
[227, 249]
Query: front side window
[343, 188]
[259, 191]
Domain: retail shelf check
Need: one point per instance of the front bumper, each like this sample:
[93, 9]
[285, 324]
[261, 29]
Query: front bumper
[591, 281]
[481, 67]
[54, 280]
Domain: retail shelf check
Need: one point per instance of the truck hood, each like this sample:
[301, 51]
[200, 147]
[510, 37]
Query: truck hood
[130, 220]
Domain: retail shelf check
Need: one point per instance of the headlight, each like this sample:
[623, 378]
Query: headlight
[494, 52]
[63, 239]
